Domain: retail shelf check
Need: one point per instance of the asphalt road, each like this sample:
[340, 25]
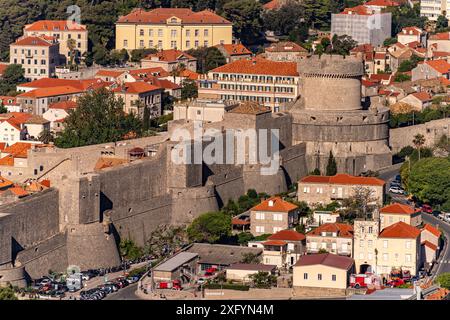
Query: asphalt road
[443, 264]
[127, 293]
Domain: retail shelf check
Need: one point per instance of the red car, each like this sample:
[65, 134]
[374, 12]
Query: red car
[427, 208]
[395, 283]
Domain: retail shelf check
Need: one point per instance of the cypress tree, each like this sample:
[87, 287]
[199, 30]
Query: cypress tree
[331, 165]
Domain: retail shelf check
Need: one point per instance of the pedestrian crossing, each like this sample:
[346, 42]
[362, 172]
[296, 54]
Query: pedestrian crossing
[443, 262]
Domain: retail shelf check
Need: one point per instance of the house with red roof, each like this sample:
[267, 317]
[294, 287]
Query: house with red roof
[431, 69]
[171, 28]
[37, 55]
[321, 190]
[431, 234]
[397, 212]
[439, 41]
[336, 238]
[57, 112]
[63, 30]
[170, 60]
[233, 52]
[399, 247]
[324, 274]
[418, 100]
[140, 95]
[270, 83]
[285, 51]
[284, 248]
[10, 103]
[273, 215]
[412, 34]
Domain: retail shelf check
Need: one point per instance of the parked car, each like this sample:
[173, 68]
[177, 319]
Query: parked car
[427, 208]
[396, 190]
[398, 178]
[395, 184]
[395, 283]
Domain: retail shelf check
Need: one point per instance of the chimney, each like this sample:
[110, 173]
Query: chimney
[270, 203]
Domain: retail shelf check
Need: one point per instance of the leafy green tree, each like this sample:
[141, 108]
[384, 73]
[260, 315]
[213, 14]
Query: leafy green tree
[138, 54]
[401, 77]
[341, 45]
[244, 238]
[246, 18]
[331, 165]
[210, 227]
[101, 55]
[315, 172]
[3, 109]
[251, 193]
[13, 75]
[444, 280]
[207, 58]
[46, 136]
[263, 279]
[189, 89]
[129, 250]
[322, 250]
[99, 118]
[7, 293]
[441, 22]
[429, 180]
[405, 16]
[119, 56]
[419, 141]
[390, 41]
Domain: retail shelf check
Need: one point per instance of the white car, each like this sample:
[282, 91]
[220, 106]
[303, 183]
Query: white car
[396, 190]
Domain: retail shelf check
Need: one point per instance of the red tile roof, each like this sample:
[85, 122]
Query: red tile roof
[342, 178]
[326, 259]
[240, 222]
[259, 66]
[5, 183]
[410, 31]
[55, 25]
[32, 41]
[186, 73]
[55, 82]
[108, 73]
[343, 230]
[429, 245]
[18, 191]
[235, 49]
[64, 105]
[170, 55]
[287, 235]
[50, 92]
[422, 96]
[8, 100]
[161, 15]
[275, 243]
[271, 5]
[3, 67]
[136, 87]
[440, 36]
[440, 65]
[360, 10]
[432, 230]
[149, 72]
[400, 230]
[440, 54]
[278, 205]
[398, 208]
[382, 3]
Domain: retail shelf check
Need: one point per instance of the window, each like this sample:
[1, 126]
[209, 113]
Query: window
[173, 33]
[125, 43]
[173, 44]
[370, 229]
[361, 243]
[385, 257]
[260, 229]
[206, 32]
[277, 217]
[305, 276]
[150, 32]
[79, 36]
[306, 190]
[408, 244]
[260, 216]
[369, 243]
[385, 243]
[196, 43]
[206, 43]
[188, 44]
[188, 33]
[407, 258]
[159, 44]
[319, 276]
[333, 277]
[150, 43]
[141, 32]
[141, 43]
[196, 32]
[160, 32]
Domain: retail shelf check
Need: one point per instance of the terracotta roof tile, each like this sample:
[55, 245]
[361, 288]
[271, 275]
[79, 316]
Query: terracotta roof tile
[343, 230]
[342, 178]
[274, 204]
[432, 230]
[272, 5]
[136, 87]
[50, 92]
[259, 66]
[235, 49]
[18, 191]
[104, 162]
[382, 3]
[3, 67]
[170, 55]
[54, 25]
[326, 259]
[287, 235]
[5, 183]
[250, 107]
[422, 96]
[440, 36]
[18, 149]
[398, 208]
[400, 230]
[275, 243]
[32, 41]
[109, 73]
[161, 15]
[64, 105]
[429, 245]
[285, 46]
[410, 31]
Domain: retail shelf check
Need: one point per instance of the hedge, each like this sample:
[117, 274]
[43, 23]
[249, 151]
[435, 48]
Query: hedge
[227, 286]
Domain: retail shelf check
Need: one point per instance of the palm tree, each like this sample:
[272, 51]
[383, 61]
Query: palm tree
[418, 141]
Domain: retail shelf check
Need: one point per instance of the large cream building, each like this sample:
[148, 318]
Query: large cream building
[172, 28]
[63, 30]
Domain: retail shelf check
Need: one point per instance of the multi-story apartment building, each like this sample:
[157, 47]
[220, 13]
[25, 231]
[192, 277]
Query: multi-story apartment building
[284, 248]
[170, 60]
[364, 24]
[397, 212]
[273, 215]
[63, 30]
[270, 83]
[336, 238]
[140, 95]
[315, 190]
[365, 244]
[38, 56]
[432, 9]
[172, 28]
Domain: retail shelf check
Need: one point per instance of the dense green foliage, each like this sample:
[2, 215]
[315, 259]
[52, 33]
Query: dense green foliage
[428, 114]
[129, 250]
[207, 58]
[189, 90]
[444, 280]
[13, 75]
[246, 18]
[7, 293]
[99, 118]
[210, 227]
[405, 16]
[402, 77]
[263, 279]
[331, 165]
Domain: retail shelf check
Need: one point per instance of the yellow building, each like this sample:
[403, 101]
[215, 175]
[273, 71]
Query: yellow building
[63, 30]
[172, 28]
[396, 212]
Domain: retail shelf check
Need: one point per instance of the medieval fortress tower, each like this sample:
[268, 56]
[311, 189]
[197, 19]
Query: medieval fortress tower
[89, 208]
